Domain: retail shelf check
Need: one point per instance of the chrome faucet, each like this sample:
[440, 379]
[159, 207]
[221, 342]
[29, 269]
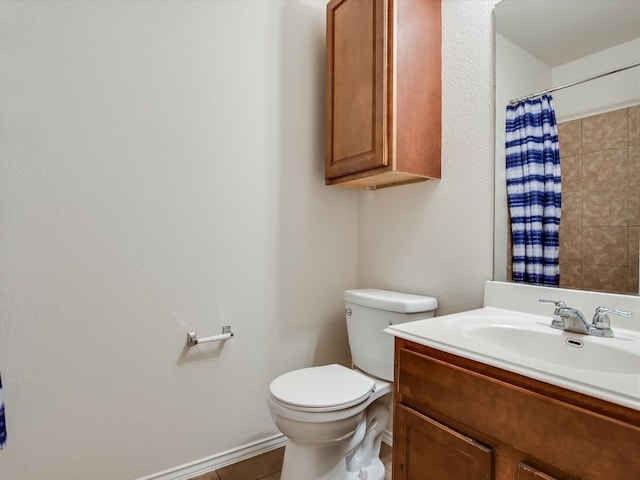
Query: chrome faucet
[567, 318]
[572, 319]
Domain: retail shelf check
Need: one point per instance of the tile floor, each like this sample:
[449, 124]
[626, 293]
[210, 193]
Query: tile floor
[267, 467]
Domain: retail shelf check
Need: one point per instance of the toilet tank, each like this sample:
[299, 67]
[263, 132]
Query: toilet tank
[368, 312]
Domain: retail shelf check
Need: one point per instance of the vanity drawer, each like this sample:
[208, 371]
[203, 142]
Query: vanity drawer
[527, 415]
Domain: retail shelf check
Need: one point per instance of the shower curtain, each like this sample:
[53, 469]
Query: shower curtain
[3, 430]
[534, 190]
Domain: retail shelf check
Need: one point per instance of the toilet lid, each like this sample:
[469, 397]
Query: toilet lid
[329, 387]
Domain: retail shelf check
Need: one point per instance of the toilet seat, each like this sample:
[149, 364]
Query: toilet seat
[322, 389]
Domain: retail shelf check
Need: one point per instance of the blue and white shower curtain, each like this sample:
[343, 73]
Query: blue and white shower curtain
[3, 430]
[534, 190]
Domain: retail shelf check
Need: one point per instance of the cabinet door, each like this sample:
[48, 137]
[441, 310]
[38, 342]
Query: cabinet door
[525, 472]
[356, 86]
[427, 450]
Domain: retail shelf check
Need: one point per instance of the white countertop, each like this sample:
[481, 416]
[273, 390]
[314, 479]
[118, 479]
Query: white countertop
[453, 334]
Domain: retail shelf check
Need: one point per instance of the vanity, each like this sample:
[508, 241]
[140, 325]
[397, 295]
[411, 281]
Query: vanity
[496, 393]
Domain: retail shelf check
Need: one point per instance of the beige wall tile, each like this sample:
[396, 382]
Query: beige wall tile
[605, 207]
[634, 206]
[632, 281]
[571, 168]
[605, 131]
[570, 137]
[634, 259]
[634, 245]
[634, 165]
[605, 245]
[571, 276]
[570, 246]
[601, 208]
[605, 168]
[571, 210]
[605, 278]
[634, 125]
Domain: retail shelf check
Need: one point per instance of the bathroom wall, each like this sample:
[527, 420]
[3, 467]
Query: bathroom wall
[436, 238]
[161, 172]
[600, 225]
[604, 94]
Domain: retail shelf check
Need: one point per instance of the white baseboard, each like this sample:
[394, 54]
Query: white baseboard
[214, 462]
[224, 459]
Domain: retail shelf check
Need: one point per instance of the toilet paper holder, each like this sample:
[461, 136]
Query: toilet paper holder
[192, 337]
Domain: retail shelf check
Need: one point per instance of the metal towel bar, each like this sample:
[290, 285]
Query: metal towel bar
[192, 337]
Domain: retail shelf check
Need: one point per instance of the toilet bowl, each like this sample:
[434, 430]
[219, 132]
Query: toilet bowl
[333, 416]
[327, 419]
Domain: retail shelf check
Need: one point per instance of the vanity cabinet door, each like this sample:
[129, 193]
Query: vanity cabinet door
[428, 450]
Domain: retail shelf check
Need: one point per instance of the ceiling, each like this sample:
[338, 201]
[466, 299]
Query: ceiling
[559, 31]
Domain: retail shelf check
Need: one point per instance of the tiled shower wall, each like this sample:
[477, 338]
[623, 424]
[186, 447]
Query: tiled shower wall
[600, 225]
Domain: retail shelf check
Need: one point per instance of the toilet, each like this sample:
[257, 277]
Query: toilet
[334, 416]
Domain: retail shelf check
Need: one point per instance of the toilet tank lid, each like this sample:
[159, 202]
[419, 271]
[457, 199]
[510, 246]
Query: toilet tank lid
[390, 301]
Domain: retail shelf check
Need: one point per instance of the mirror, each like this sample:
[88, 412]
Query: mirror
[543, 44]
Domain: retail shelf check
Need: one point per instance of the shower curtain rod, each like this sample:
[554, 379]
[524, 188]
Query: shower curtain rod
[578, 82]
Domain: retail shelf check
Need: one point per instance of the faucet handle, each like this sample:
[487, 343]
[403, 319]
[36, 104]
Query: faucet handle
[557, 303]
[557, 321]
[601, 318]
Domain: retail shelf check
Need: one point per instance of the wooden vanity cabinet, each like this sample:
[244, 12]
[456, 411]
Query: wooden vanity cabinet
[456, 419]
[429, 446]
[383, 92]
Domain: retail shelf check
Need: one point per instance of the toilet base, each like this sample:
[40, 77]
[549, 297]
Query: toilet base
[354, 457]
[303, 462]
[324, 464]
[374, 471]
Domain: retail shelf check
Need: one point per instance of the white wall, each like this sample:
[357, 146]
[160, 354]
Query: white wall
[605, 94]
[435, 238]
[161, 171]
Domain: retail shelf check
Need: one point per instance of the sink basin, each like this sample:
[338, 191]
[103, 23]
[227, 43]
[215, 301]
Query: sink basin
[557, 347]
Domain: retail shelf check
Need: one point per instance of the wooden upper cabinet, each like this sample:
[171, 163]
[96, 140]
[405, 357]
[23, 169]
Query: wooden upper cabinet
[383, 92]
